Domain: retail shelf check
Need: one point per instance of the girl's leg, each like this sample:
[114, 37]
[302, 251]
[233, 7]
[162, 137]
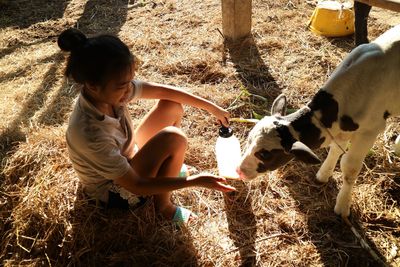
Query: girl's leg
[164, 113]
[154, 134]
[162, 156]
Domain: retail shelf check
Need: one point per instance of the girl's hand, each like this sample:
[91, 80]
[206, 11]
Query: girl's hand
[222, 116]
[211, 181]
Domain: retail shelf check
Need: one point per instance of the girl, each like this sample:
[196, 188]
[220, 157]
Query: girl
[116, 163]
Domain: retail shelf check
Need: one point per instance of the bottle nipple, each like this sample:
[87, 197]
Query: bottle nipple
[225, 132]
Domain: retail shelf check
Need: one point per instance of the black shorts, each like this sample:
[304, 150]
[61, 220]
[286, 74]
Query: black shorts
[115, 201]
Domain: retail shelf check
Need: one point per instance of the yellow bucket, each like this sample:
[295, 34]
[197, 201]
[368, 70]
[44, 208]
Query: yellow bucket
[332, 19]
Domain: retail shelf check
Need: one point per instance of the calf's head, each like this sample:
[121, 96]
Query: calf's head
[271, 145]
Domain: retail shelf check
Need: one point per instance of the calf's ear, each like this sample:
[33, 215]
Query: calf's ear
[279, 105]
[304, 153]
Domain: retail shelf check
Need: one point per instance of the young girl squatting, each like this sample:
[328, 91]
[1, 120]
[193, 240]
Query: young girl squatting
[115, 162]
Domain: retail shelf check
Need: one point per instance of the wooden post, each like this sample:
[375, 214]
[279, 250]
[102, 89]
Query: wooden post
[236, 19]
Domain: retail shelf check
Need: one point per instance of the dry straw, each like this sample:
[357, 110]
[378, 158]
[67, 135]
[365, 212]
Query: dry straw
[283, 218]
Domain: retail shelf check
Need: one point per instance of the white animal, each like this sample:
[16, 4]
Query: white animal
[352, 106]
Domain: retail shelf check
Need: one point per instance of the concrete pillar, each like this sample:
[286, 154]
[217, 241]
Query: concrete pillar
[236, 19]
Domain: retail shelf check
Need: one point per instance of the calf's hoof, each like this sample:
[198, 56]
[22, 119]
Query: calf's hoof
[323, 177]
[342, 210]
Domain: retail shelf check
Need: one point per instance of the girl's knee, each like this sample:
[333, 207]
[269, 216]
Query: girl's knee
[174, 135]
[171, 106]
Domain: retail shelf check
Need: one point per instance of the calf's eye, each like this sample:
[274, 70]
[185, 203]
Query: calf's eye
[263, 155]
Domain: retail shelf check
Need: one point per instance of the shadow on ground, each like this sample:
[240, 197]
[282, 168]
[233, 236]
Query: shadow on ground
[125, 238]
[101, 237]
[103, 16]
[242, 223]
[336, 243]
[24, 13]
[251, 69]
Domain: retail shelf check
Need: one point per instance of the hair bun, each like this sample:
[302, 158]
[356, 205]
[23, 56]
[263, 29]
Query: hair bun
[71, 39]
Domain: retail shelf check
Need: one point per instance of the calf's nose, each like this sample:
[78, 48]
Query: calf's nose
[241, 174]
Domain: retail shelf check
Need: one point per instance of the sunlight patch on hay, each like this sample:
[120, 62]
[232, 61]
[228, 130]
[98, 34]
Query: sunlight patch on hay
[24, 57]
[30, 76]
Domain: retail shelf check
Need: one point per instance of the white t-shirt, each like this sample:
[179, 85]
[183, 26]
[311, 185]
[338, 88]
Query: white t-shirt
[100, 146]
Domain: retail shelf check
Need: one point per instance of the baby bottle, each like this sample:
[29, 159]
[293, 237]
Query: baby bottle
[228, 153]
[396, 146]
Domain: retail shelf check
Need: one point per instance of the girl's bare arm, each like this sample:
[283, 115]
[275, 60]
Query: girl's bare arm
[172, 93]
[152, 186]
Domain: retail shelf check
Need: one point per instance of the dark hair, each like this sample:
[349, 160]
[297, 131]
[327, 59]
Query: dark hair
[94, 60]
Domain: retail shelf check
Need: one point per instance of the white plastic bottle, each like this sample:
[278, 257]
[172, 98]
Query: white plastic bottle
[228, 153]
[396, 146]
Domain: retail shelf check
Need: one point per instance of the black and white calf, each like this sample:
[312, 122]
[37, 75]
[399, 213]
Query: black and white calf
[352, 106]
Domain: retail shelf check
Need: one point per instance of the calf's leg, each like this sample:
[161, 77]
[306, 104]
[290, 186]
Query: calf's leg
[351, 164]
[326, 170]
